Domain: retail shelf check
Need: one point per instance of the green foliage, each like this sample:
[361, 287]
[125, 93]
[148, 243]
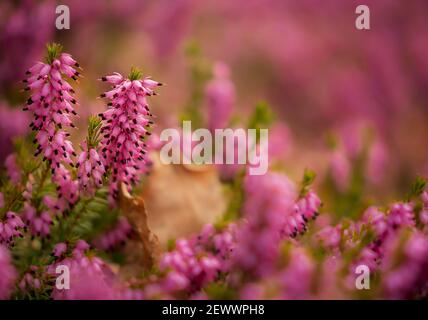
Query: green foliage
[24, 151]
[235, 192]
[417, 188]
[94, 131]
[88, 217]
[53, 51]
[135, 74]
[307, 180]
[170, 245]
[261, 118]
[350, 201]
[220, 291]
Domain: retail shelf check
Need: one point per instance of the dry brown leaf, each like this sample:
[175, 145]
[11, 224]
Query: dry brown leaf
[180, 199]
[144, 249]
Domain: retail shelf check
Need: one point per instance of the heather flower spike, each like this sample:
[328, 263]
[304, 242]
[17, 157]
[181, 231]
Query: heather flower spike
[126, 123]
[51, 103]
[89, 164]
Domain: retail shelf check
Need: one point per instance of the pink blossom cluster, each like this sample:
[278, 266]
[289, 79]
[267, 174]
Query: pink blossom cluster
[8, 274]
[386, 229]
[271, 213]
[39, 223]
[68, 189]
[125, 126]
[11, 227]
[90, 169]
[114, 237]
[294, 281]
[194, 262]
[51, 103]
[30, 280]
[307, 207]
[410, 277]
[188, 271]
[90, 277]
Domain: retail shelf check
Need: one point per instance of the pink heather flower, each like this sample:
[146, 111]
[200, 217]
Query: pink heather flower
[425, 199]
[220, 95]
[30, 280]
[125, 126]
[90, 169]
[308, 206]
[38, 223]
[407, 278]
[59, 249]
[330, 236]
[189, 268]
[330, 287]
[294, 281]
[401, 215]
[423, 215]
[376, 219]
[351, 234]
[68, 189]
[90, 277]
[296, 278]
[12, 168]
[87, 281]
[269, 214]
[8, 274]
[369, 256]
[194, 262]
[117, 236]
[10, 227]
[224, 244]
[51, 103]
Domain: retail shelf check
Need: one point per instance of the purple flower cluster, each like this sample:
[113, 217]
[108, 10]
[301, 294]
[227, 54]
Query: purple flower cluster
[90, 169]
[194, 262]
[90, 277]
[51, 103]
[117, 236]
[38, 223]
[11, 227]
[8, 274]
[125, 125]
[271, 214]
[406, 276]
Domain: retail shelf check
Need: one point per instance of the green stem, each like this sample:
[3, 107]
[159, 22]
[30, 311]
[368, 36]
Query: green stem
[76, 217]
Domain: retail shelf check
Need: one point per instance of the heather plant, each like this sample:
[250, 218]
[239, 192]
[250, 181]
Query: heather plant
[86, 210]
